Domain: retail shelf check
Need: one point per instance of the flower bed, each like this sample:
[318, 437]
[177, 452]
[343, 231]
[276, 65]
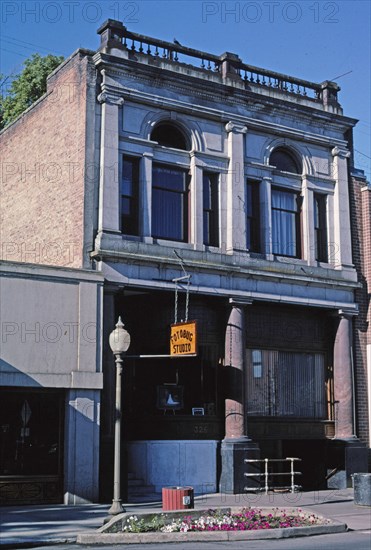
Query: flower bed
[247, 519]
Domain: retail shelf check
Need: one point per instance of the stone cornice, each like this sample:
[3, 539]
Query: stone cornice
[47, 272]
[212, 88]
[267, 271]
[241, 297]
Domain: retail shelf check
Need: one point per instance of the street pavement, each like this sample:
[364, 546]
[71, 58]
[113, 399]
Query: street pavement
[26, 526]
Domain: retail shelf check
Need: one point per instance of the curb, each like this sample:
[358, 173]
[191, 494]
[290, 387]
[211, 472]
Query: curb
[213, 536]
[105, 535]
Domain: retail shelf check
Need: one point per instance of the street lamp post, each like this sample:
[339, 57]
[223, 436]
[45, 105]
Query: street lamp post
[119, 341]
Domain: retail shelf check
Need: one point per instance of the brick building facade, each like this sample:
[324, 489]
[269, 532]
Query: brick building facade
[360, 196]
[147, 160]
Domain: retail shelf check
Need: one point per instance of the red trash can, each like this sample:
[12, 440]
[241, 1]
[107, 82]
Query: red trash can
[177, 498]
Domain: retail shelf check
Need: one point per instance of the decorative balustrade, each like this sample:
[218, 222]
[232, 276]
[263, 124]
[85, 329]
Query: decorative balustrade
[115, 34]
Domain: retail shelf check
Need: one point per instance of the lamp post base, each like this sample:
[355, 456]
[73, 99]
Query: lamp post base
[116, 508]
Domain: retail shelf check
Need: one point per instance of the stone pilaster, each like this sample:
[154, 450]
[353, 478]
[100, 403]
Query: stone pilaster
[266, 215]
[342, 234]
[145, 177]
[81, 468]
[196, 217]
[236, 216]
[109, 183]
[308, 223]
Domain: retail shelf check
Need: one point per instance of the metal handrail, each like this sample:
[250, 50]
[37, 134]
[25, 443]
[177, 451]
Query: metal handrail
[292, 473]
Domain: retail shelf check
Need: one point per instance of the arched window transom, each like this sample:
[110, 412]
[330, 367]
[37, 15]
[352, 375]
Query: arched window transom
[284, 160]
[169, 135]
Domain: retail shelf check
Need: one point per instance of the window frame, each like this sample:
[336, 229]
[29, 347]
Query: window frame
[210, 215]
[284, 377]
[185, 194]
[320, 227]
[133, 198]
[297, 214]
[253, 220]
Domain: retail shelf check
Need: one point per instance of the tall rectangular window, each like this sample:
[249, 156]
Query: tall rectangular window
[320, 227]
[286, 223]
[169, 203]
[285, 383]
[129, 196]
[211, 209]
[252, 217]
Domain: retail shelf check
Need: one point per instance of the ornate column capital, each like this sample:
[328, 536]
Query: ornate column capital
[341, 152]
[194, 155]
[347, 313]
[240, 301]
[235, 128]
[105, 97]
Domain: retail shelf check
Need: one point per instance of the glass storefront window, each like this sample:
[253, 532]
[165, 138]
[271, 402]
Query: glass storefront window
[30, 432]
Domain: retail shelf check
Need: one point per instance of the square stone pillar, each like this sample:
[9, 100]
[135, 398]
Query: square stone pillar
[81, 468]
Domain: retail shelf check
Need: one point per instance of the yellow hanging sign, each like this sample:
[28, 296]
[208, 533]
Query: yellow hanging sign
[183, 338]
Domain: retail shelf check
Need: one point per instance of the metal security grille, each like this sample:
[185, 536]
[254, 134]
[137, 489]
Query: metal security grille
[282, 383]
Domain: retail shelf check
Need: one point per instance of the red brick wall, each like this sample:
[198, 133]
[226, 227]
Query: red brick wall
[42, 173]
[360, 197]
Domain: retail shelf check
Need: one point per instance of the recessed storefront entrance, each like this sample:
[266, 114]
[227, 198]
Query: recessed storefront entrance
[31, 456]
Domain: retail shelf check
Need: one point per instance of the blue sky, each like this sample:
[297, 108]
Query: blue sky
[312, 39]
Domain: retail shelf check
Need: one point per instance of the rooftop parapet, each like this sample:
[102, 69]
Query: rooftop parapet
[229, 67]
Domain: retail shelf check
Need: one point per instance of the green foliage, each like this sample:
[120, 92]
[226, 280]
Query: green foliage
[27, 86]
[139, 525]
[248, 519]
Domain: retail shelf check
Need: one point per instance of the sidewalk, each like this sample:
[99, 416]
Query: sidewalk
[26, 525]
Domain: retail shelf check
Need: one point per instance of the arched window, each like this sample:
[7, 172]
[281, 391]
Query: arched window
[169, 135]
[286, 207]
[284, 160]
[170, 186]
